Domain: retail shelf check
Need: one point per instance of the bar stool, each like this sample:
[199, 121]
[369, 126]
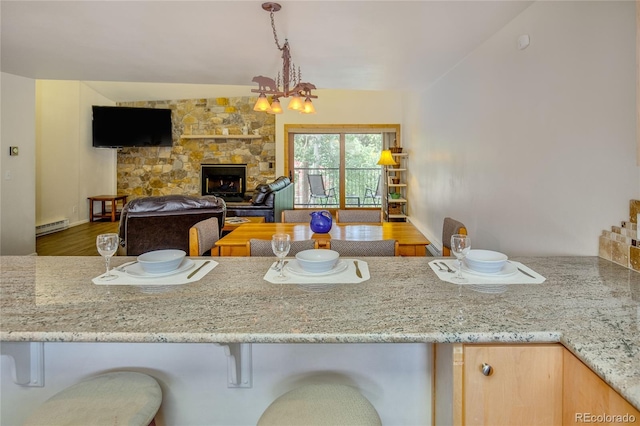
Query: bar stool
[320, 404]
[125, 398]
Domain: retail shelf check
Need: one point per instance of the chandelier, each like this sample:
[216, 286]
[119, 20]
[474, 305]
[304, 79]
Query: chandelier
[292, 85]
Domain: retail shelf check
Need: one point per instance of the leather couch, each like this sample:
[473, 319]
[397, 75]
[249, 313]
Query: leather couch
[163, 222]
[268, 201]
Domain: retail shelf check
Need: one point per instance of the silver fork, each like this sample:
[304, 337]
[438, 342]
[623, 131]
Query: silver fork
[439, 267]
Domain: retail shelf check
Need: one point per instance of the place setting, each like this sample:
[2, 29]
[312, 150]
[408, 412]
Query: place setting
[313, 269]
[486, 271]
[154, 271]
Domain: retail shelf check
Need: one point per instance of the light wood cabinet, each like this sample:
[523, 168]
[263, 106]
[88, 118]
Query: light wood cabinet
[527, 384]
[520, 385]
[586, 396]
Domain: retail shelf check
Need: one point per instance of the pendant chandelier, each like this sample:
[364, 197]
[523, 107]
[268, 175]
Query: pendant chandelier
[292, 85]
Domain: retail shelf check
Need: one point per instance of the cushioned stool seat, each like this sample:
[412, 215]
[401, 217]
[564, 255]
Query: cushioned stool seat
[321, 404]
[118, 398]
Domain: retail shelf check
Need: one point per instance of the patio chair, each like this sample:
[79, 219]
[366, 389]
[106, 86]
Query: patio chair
[450, 227]
[359, 215]
[365, 248]
[318, 191]
[257, 247]
[375, 195]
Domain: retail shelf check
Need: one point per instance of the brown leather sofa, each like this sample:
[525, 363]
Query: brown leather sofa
[156, 223]
[268, 201]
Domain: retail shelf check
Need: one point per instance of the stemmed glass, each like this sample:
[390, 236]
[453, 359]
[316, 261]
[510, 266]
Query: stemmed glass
[281, 244]
[107, 245]
[460, 246]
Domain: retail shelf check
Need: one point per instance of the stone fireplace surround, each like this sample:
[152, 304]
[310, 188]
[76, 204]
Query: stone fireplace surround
[154, 171]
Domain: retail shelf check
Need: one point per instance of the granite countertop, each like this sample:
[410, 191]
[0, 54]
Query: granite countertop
[590, 305]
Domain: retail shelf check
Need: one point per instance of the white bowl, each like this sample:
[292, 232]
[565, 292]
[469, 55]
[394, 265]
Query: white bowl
[160, 261]
[319, 260]
[486, 261]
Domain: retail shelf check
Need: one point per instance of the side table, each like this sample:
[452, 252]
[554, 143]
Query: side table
[113, 199]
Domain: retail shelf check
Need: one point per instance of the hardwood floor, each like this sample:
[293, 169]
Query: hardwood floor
[78, 240]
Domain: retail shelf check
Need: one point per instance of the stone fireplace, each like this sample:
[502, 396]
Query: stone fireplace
[227, 181]
[198, 140]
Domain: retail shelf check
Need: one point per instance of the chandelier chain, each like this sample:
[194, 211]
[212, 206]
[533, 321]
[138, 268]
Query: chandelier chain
[275, 33]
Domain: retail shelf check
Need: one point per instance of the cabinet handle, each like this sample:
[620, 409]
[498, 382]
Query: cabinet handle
[486, 369]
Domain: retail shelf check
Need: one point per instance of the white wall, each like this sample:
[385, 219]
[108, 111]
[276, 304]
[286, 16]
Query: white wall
[534, 150]
[17, 181]
[394, 377]
[68, 168]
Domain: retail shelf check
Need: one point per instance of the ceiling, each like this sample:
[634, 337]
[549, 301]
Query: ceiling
[361, 45]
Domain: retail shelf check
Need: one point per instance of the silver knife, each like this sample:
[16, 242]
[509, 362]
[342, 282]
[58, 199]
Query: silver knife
[358, 273]
[526, 273]
[196, 271]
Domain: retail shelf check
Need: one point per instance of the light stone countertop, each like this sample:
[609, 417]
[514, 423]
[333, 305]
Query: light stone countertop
[590, 305]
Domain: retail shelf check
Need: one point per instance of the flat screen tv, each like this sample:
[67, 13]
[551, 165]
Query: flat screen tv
[117, 127]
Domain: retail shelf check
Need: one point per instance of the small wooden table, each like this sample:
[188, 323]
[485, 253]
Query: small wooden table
[113, 199]
[411, 241]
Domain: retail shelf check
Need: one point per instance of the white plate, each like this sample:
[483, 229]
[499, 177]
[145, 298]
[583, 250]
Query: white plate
[135, 270]
[508, 270]
[294, 268]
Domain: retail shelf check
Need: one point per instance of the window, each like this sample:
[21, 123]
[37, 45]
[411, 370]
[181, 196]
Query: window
[334, 166]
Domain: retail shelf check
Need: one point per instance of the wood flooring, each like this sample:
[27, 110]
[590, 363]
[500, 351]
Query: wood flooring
[79, 240]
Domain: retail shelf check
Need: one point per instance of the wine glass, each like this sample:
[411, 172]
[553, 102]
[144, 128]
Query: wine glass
[460, 246]
[281, 244]
[107, 245]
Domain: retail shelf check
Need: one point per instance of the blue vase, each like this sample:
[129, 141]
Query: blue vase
[321, 222]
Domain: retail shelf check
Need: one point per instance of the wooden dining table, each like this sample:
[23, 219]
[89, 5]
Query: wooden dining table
[410, 239]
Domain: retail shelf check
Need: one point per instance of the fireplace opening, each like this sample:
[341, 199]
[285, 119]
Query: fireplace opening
[227, 181]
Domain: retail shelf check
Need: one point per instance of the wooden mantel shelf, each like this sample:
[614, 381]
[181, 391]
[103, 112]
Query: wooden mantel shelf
[221, 136]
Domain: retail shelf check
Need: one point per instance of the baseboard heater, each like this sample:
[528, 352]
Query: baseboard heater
[48, 228]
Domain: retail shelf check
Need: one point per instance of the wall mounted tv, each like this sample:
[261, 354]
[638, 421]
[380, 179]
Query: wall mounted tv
[117, 127]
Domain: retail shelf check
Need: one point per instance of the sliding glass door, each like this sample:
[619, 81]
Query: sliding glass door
[335, 166]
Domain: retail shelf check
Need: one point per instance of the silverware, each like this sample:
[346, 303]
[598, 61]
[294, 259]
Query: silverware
[526, 273]
[197, 269]
[358, 273]
[439, 267]
[447, 266]
[124, 265]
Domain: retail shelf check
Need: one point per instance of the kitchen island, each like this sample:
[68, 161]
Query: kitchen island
[589, 305]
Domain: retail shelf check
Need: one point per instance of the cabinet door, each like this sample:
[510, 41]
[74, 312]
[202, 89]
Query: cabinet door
[523, 388]
[586, 395]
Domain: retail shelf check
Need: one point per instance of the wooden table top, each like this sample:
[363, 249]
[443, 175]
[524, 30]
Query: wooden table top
[404, 232]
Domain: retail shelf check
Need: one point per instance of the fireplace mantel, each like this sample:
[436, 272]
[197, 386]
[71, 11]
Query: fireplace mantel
[221, 136]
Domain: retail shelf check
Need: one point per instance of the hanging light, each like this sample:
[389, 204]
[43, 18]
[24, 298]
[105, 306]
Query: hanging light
[307, 108]
[262, 104]
[276, 108]
[292, 84]
[295, 103]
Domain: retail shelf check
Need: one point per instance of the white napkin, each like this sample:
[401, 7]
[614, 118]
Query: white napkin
[180, 278]
[517, 278]
[347, 276]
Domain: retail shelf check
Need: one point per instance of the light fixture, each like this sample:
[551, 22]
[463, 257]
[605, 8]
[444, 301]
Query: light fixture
[292, 85]
[386, 159]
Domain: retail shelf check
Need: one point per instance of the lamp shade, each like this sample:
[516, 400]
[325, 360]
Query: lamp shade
[386, 159]
[307, 107]
[262, 104]
[295, 103]
[276, 108]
